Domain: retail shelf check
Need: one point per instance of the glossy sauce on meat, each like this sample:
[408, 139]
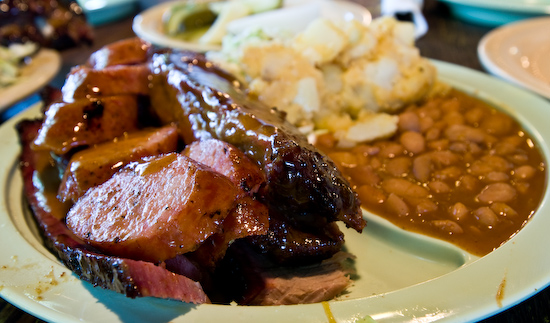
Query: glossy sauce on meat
[457, 169]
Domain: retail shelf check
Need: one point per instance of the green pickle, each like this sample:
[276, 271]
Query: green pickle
[188, 18]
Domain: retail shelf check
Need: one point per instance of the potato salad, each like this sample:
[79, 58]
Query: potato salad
[345, 78]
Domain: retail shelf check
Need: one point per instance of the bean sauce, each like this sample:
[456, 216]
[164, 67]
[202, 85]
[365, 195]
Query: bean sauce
[457, 169]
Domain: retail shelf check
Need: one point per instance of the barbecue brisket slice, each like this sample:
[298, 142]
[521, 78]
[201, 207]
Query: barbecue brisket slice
[133, 278]
[303, 185]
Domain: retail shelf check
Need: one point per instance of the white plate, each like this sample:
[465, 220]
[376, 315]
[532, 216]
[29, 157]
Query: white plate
[148, 24]
[520, 53]
[41, 70]
[497, 12]
[403, 276]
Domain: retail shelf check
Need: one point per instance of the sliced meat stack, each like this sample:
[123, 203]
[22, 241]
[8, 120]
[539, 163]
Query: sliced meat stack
[172, 183]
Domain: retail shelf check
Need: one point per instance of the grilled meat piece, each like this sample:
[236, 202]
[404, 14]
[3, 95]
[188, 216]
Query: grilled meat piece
[250, 217]
[86, 122]
[226, 159]
[123, 52]
[85, 82]
[303, 185]
[129, 277]
[58, 24]
[93, 166]
[252, 279]
[154, 210]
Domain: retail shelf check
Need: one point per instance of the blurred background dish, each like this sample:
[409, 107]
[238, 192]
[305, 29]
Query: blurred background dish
[497, 12]
[41, 69]
[100, 12]
[294, 15]
[520, 53]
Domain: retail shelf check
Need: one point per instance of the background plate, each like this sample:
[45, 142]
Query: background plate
[520, 53]
[39, 72]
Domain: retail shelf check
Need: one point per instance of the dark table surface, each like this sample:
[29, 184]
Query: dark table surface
[448, 39]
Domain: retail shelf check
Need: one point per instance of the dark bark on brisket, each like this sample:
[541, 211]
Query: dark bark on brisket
[303, 184]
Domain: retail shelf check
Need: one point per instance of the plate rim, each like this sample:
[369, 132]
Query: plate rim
[519, 286]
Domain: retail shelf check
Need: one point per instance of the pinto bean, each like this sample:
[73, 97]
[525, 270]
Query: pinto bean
[486, 216]
[497, 124]
[448, 226]
[403, 187]
[344, 158]
[459, 211]
[433, 134]
[448, 173]
[460, 132]
[524, 172]
[425, 206]
[497, 192]
[496, 177]
[422, 167]
[396, 205]
[503, 209]
[371, 195]
[365, 174]
[468, 183]
[409, 121]
[439, 187]
[413, 142]
[399, 166]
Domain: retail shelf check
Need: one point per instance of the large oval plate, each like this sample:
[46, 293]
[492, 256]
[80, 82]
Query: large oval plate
[402, 276]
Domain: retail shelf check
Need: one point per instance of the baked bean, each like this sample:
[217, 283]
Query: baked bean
[364, 174]
[422, 167]
[497, 124]
[441, 144]
[504, 210]
[413, 142]
[399, 166]
[433, 134]
[475, 115]
[496, 177]
[439, 187]
[409, 121]
[396, 205]
[459, 211]
[497, 192]
[444, 157]
[365, 150]
[524, 172]
[370, 194]
[403, 187]
[449, 173]
[448, 226]
[459, 132]
[391, 150]
[453, 118]
[519, 159]
[507, 146]
[426, 123]
[486, 216]
[468, 183]
[343, 158]
[425, 206]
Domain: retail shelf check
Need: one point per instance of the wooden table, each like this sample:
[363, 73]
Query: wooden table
[448, 39]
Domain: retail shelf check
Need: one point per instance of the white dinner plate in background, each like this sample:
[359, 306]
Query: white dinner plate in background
[520, 53]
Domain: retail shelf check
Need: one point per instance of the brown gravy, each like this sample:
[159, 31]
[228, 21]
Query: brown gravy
[457, 169]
